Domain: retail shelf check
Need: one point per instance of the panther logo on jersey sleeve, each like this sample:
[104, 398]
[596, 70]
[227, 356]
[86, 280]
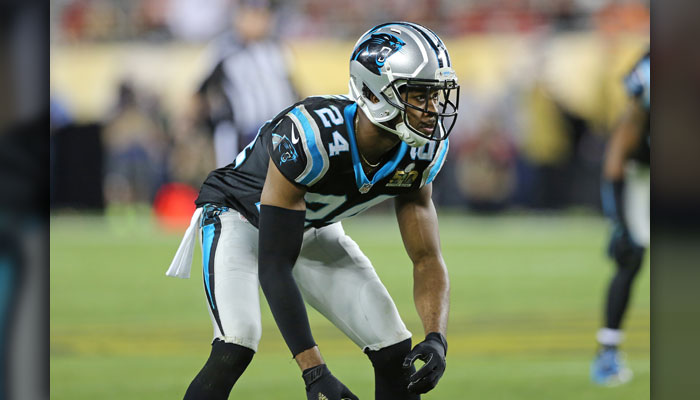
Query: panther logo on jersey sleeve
[297, 149]
[283, 149]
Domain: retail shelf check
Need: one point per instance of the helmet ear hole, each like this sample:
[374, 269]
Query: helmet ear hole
[369, 94]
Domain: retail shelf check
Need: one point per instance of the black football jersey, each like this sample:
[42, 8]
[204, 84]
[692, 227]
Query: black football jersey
[312, 143]
[638, 85]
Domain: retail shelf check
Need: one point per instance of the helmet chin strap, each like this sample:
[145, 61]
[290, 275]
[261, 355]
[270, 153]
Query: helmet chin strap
[404, 133]
[409, 136]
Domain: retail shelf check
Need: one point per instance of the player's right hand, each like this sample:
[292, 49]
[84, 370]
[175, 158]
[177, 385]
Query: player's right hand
[322, 385]
[432, 351]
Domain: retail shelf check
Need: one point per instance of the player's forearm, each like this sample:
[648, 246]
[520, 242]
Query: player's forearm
[287, 307]
[280, 239]
[613, 201]
[614, 166]
[431, 294]
[624, 139]
[615, 157]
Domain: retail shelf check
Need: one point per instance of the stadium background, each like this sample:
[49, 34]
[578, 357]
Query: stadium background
[518, 198]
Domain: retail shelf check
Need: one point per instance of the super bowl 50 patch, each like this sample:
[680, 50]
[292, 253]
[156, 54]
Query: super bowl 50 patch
[402, 179]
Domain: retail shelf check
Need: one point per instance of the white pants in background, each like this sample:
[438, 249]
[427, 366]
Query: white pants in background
[637, 202]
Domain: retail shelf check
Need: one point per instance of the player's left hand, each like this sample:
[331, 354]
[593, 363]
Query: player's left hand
[432, 351]
[321, 384]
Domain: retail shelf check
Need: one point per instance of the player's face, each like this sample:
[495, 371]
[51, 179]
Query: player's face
[424, 118]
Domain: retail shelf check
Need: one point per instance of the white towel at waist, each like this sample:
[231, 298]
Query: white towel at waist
[182, 262]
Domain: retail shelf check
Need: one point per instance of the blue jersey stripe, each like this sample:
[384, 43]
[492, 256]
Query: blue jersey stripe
[312, 146]
[349, 118]
[440, 161]
[385, 170]
[207, 243]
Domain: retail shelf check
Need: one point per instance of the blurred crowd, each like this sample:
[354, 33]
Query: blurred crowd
[529, 143]
[197, 20]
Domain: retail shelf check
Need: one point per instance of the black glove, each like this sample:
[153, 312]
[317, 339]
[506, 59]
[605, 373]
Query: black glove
[321, 384]
[432, 351]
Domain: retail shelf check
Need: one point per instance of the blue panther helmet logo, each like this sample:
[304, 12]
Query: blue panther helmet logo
[373, 52]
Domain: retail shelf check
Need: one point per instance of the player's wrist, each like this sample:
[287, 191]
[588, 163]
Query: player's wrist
[309, 358]
[439, 338]
[313, 374]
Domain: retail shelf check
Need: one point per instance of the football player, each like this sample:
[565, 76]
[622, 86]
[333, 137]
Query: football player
[625, 195]
[272, 217]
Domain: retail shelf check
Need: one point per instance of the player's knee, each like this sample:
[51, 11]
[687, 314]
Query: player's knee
[230, 357]
[225, 365]
[240, 326]
[246, 335]
[628, 270]
[626, 253]
[630, 259]
[391, 379]
[391, 357]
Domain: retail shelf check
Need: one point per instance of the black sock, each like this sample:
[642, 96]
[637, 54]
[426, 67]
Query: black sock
[225, 365]
[390, 378]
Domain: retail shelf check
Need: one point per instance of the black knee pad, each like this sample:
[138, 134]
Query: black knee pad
[230, 356]
[391, 355]
[225, 365]
[390, 378]
[626, 253]
[631, 260]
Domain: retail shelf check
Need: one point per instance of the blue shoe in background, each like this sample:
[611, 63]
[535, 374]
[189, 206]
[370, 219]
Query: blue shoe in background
[608, 368]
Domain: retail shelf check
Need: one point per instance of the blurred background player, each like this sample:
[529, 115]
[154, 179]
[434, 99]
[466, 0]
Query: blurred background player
[24, 232]
[625, 195]
[249, 81]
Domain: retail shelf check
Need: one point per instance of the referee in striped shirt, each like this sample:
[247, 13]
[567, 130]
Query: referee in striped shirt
[249, 81]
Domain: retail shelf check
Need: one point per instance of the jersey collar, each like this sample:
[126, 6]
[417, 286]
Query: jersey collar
[363, 183]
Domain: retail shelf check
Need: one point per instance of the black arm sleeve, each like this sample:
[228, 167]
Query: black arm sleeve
[280, 236]
[613, 201]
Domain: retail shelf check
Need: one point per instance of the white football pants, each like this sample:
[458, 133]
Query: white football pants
[332, 273]
[636, 198]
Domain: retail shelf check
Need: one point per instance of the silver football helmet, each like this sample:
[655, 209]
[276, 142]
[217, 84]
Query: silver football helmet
[393, 59]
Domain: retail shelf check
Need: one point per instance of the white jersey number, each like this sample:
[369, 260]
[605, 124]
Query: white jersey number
[332, 202]
[339, 144]
[330, 115]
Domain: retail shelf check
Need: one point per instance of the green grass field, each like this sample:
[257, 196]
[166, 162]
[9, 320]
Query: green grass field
[527, 294]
